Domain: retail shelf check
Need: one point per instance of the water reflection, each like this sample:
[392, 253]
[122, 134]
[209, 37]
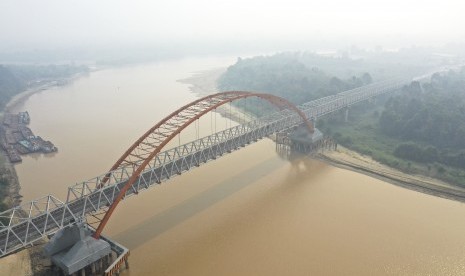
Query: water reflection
[249, 212]
[175, 215]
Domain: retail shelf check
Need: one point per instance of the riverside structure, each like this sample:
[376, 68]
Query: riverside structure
[25, 224]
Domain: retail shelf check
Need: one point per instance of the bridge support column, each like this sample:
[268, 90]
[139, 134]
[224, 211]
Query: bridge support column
[97, 266]
[110, 259]
[346, 115]
[93, 267]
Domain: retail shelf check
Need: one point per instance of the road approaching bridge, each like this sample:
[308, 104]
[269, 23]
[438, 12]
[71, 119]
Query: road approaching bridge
[144, 165]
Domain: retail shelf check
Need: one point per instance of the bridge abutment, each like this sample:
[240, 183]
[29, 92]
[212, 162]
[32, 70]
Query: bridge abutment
[299, 140]
[74, 251]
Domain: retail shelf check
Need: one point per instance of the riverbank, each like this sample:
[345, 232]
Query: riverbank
[351, 160]
[29, 261]
[13, 197]
[23, 96]
[204, 83]
[257, 166]
[41, 86]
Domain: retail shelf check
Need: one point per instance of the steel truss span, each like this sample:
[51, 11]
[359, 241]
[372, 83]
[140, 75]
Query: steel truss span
[21, 226]
[149, 145]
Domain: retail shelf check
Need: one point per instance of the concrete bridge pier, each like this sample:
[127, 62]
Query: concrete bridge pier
[93, 268]
[299, 140]
[346, 114]
[108, 260]
[101, 267]
[74, 251]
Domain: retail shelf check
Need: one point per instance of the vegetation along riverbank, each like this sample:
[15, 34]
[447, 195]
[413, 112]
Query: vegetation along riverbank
[17, 82]
[413, 134]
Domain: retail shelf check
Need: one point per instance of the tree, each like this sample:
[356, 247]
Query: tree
[366, 78]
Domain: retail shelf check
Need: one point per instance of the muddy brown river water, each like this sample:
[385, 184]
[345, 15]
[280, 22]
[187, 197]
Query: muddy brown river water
[247, 213]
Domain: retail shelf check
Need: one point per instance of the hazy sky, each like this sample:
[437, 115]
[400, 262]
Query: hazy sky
[52, 23]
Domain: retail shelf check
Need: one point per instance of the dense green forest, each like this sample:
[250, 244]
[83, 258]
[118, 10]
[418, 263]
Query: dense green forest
[285, 76]
[420, 129]
[432, 114]
[16, 78]
[305, 76]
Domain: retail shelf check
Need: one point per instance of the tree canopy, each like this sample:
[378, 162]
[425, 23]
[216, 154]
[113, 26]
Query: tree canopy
[432, 114]
[287, 77]
[16, 78]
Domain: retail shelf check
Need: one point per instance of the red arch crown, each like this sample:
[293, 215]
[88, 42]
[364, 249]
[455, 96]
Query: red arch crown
[152, 142]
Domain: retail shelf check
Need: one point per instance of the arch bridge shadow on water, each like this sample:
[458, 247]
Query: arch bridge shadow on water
[300, 168]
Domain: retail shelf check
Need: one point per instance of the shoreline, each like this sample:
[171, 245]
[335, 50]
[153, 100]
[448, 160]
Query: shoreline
[34, 89]
[14, 198]
[350, 160]
[23, 96]
[204, 82]
[30, 260]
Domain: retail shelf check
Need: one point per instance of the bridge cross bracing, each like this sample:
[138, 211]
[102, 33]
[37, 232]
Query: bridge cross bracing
[23, 225]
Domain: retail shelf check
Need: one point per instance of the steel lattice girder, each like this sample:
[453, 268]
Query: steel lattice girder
[156, 137]
[25, 224]
[172, 125]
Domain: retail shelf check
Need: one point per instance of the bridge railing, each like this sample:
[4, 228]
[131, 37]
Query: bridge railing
[116, 176]
[17, 233]
[29, 222]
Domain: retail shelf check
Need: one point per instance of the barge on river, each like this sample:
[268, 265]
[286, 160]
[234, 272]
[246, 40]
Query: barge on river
[16, 138]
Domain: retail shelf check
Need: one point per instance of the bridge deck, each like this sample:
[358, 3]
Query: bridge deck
[23, 225]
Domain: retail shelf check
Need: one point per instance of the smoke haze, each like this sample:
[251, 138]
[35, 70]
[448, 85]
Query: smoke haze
[93, 28]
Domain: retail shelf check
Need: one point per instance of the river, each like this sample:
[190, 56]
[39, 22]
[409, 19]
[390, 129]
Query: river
[247, 213]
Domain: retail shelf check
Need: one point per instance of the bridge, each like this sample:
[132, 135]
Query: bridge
[146, 163]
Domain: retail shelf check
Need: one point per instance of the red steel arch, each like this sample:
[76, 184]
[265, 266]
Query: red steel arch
[138, 156]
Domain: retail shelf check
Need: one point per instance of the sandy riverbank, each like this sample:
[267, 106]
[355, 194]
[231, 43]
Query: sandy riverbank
[44, 85]
[23, 96]
[204, 83]
[347, 159]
